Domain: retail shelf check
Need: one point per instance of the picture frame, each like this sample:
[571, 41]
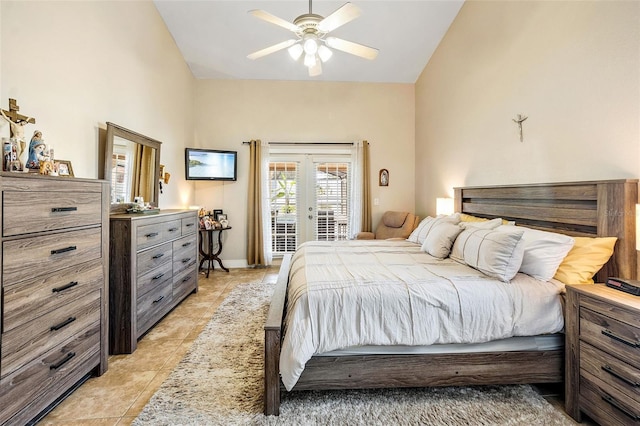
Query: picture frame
[383, 179]
[221, 216]
[64, 168]
[215, 213]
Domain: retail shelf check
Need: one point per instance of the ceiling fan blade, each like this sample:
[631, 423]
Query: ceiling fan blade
[347, 13]
[316, 69]
[271, 49]
[266, 16]
[352, 48]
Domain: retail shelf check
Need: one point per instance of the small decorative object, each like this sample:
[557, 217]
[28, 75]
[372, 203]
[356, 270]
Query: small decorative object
[384, 177]
[16, 120]
[46, 167]
[64, 168]
[216, 212]
[519, 122]
[222, 218]
[37, 149]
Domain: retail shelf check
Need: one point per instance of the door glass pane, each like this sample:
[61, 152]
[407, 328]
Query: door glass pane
[332, 201]
[283, 179]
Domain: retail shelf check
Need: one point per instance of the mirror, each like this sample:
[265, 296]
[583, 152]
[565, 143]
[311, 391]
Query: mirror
[132, 165]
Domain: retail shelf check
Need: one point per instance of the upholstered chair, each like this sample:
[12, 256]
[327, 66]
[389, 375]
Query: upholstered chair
[392, 225]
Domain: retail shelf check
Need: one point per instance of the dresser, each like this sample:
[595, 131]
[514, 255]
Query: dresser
[54, 290]
[602, 355]
[153, 266]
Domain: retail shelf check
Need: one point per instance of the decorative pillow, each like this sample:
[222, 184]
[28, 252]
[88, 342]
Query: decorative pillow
[495, 253]
[418, 235]
[585, 259]
[475, 219]
[440, 237]
[484, 224]
[543, 252]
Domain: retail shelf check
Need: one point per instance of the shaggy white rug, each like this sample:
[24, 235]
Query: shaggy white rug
[219, 382]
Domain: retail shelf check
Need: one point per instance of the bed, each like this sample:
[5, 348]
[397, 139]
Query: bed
[594, 208]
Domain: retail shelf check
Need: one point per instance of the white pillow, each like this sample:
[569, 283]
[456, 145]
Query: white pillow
[543, 252]
[419, 234]
[489, 224]
[495, 253]
[440, 237]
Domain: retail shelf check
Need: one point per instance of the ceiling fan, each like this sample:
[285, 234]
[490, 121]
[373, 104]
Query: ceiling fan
[313, 38]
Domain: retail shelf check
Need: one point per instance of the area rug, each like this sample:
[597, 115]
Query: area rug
[219, 382]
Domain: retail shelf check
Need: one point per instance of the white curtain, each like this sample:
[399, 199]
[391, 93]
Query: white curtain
[266, 204]
[355, 212]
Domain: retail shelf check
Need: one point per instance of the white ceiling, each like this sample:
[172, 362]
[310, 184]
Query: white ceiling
[215, 38]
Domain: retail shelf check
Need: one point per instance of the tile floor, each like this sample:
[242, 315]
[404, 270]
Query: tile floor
[118, 396]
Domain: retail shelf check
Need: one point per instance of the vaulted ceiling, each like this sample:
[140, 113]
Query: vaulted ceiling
[215, 38]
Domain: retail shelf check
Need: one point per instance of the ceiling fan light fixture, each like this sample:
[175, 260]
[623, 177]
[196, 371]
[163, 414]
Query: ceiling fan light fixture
[325, 53]
[310, 45]
[309, 60]
[295, 51]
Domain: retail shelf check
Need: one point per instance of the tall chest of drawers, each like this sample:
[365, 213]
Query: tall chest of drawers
[602, 355]
[54, 290]
[153, 266]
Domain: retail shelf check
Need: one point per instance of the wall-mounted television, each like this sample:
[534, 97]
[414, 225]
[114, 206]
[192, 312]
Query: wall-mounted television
[210, 164]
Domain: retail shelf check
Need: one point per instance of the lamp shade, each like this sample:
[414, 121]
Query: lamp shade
[444, 206]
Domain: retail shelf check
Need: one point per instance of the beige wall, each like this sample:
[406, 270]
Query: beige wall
[231, 111]
[572, 67]
[76, 65]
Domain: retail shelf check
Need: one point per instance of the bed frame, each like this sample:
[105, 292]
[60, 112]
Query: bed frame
[594, 208]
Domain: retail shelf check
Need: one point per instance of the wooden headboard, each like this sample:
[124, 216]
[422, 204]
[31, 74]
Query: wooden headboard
[592, 209]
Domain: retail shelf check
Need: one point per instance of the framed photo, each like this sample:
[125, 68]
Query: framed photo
[221, 217]
[216, 212]
[64, 168]
[384, 177]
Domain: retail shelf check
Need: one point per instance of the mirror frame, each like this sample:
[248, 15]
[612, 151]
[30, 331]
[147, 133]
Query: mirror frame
[113, 130]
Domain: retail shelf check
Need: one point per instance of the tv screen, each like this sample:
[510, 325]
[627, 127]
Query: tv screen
[210, 164]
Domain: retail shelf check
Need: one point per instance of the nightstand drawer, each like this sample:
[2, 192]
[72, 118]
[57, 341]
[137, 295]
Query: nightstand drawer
[611, 336]
[606, 405]
[610, 370]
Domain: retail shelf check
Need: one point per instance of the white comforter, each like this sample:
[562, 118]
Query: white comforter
[354, 293]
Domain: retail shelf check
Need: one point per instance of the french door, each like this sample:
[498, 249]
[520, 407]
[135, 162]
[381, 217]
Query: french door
[309, 196]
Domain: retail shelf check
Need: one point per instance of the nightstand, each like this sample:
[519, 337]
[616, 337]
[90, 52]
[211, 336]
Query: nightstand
[602, 357]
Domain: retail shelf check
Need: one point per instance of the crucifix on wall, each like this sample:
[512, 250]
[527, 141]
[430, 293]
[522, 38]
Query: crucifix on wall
[519, 122]
[16, 120]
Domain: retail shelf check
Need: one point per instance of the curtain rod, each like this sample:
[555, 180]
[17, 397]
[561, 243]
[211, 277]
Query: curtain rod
[305, 143]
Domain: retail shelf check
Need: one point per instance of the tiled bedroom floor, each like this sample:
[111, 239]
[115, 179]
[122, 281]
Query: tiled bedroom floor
[118, 396]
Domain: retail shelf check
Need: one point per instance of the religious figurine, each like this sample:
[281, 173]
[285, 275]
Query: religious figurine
[36, 151]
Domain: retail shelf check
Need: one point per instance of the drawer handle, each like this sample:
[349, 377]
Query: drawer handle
[190, 224]
[64, 250]
[158, 299]
[609, 399]
[621, 339]
[63, 209]
[187, 278]
[64, 287]
[614, 373]
[186, 244]
[187, 260]
[158, 256]
[63, 324]
[157, 277]
[151, 235]
[173, 229]
[63, 361]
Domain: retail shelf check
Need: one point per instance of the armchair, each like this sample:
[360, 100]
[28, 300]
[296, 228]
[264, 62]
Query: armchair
[392, 225]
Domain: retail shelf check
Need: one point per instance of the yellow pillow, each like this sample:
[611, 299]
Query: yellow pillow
[585, 259]
[469, 218]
